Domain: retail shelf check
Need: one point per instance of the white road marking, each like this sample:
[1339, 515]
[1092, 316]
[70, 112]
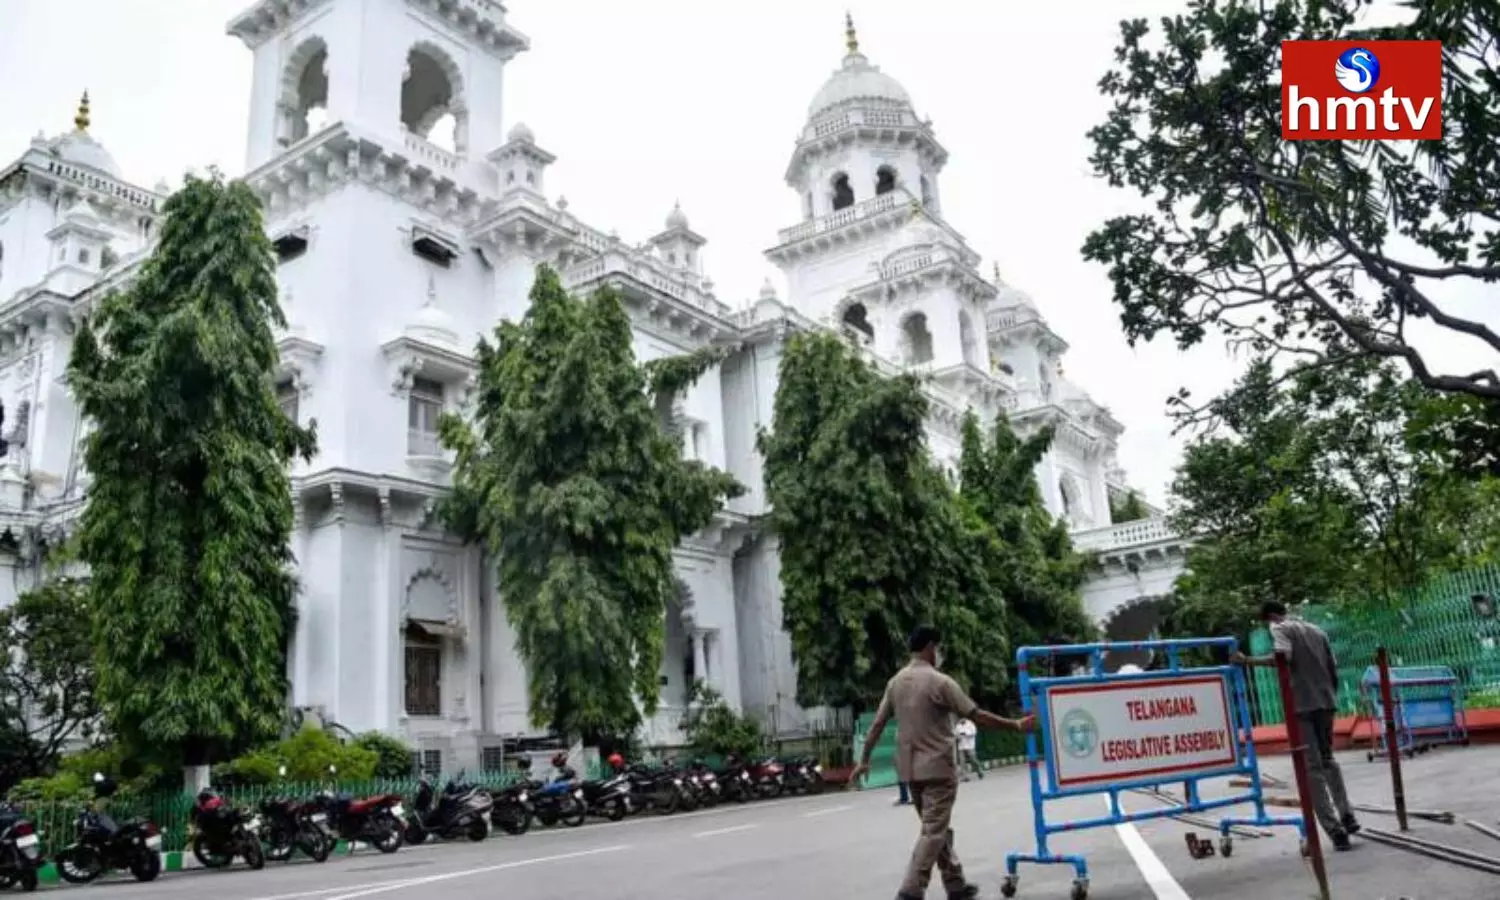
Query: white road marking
[382, 887]
[704, 834]
[1162, 884]
[823, 812]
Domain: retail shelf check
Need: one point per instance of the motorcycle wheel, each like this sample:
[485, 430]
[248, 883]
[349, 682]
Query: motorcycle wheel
[615, 811]
[27, 880]
[416, 834]
[207, 858]
[255, 856]
[146, 866]
[772, 789]
[393, 838]
[280, 846]
[815, 785]
[687, 800]
[478, 830]
[319, 847]
[574, 813]
[513, 820]
[80, 865]
[669, 806]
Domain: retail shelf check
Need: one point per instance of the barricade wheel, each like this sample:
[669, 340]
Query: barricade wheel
[1306, 851]
[1008, 887]
[1080, 890]
[1226, 846]
[1369, 756]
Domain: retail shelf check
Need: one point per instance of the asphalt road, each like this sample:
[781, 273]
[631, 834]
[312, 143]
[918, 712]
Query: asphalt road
[854, 845]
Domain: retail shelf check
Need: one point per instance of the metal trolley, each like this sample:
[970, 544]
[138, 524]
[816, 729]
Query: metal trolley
[1080, 737]
[1428, 708]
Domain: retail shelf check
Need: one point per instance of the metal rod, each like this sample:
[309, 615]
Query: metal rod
[1443, 818]
[1470, 855]
[1392, 752]
[1483, 829]
[1299, 768]
[1405, 843]
[1164, 797]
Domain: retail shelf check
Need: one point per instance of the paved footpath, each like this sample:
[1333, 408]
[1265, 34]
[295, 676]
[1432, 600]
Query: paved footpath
[853, 846]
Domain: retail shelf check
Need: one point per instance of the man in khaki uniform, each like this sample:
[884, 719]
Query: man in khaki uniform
[924, 701]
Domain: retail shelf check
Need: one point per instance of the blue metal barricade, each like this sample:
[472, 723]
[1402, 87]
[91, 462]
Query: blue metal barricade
[1428, 708]
[1103, 734]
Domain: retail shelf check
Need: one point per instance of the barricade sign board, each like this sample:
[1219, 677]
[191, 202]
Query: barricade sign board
[1107, 733]
[1113, 732]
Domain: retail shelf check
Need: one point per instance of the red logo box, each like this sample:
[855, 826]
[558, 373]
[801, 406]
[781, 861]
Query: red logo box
[1362, 90]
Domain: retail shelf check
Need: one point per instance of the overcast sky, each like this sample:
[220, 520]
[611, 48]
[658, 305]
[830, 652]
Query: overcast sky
[651, 101]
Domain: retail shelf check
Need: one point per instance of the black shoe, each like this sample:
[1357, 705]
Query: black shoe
[1341, 841]
[900, 802]
[907, 897]
[1351, 824]
[967, 892]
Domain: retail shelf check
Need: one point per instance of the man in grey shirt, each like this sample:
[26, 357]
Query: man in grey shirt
[1315, 692]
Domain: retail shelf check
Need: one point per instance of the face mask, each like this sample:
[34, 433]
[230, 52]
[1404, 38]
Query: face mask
[937, 659]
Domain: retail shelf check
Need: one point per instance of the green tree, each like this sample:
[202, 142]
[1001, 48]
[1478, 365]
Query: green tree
[1030, 556]
[1131, 509]
[393, 755]
[570, 480]
[1320, 250]
[189, 512]
[713, 728]
[47, 682]
[871, 537]
[1314, 489]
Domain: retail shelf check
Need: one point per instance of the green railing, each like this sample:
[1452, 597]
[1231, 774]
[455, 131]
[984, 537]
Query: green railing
[1437, 626]
[992, 746]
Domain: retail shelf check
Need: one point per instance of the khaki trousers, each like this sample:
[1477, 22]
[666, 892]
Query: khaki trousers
[934, 804]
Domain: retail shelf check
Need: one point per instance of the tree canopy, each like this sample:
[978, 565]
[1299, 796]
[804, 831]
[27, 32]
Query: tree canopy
[47, 679]
[872, 539]
[1031, 562]
[189, 509]
[1130, 509]
[1317, 488]
[569, 477]
[1319, 251]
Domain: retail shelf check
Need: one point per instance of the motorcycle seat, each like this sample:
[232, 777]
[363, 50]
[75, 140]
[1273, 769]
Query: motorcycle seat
[363, 806]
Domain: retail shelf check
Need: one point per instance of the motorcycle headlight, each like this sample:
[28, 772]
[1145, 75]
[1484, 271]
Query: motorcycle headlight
[522, 797]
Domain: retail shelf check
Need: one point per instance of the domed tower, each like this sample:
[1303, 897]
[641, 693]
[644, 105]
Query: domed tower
[862, 140]
[872, 254]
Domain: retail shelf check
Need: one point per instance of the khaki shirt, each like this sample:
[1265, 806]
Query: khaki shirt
[924, 702]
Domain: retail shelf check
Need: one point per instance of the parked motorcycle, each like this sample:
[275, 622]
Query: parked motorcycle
[609, 797]
[20, 850]
[104, 845]
[372, 820]
[660, 789]
[803, 776]
[289, 825]
[512, 811]
[768, 777]
[703, 783]
[462, 811]
[221, 832]
[558, 800]
[735, 782]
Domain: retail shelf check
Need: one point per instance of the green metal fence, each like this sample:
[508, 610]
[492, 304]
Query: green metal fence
[992, 746]
[1437, 626]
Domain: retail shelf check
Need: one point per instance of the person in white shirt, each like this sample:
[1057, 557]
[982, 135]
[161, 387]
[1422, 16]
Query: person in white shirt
[965, 734]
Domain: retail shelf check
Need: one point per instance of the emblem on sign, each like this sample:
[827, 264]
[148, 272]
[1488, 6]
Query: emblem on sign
[1080, 734]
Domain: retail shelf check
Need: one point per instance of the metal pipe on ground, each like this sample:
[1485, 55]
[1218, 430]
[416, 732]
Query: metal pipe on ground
[1199, 821]
[1456, 855]
[1442, 818]
[1483, 829]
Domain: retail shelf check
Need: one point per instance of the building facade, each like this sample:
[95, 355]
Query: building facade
[407, 222]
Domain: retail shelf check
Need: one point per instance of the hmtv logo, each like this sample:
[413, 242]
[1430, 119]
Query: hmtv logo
[1370, 91]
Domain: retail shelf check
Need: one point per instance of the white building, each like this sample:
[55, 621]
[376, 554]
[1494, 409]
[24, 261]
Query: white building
[397, 253]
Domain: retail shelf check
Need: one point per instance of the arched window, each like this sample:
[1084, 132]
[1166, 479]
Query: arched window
[966, 338]
[885, 180]
[843, 193]
[858, 318]
[916, 340]
[432, 99]
[304, 100]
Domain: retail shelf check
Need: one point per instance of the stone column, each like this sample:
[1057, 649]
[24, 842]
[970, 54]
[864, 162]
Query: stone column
[700, 657]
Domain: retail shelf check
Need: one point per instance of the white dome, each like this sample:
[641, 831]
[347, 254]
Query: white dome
[431, 324]
[677, 218]
[521, 132]
[857, 79]
[80, 148]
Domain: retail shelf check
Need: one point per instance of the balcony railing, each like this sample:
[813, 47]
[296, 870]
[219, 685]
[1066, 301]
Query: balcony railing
[834, 221]
[1125, 534]
[423, 443]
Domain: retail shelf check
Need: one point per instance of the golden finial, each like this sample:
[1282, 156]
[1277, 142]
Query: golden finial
[81, 120]
[851, 40]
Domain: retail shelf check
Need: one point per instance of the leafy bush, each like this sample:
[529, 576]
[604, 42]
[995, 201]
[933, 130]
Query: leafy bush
[306, 755]
[74, 778]
[712, 728]
[393, 756]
